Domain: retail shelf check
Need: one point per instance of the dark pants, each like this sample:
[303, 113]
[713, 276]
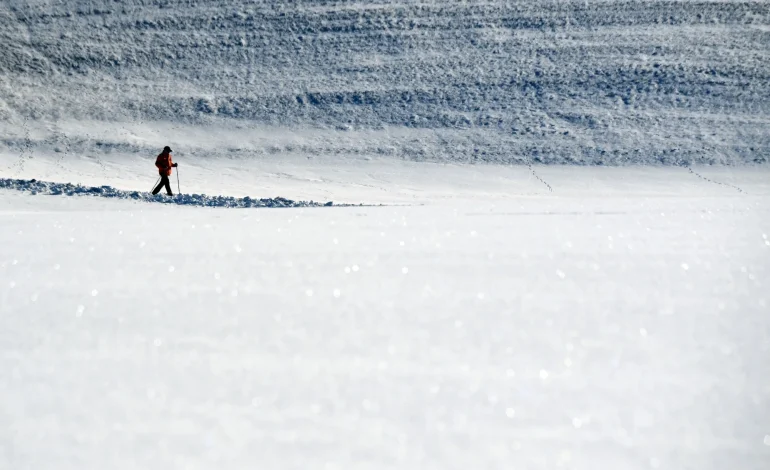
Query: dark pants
[163, 182]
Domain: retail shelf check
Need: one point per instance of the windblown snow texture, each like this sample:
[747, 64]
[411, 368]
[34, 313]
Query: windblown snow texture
[200, 200]
[589, 81]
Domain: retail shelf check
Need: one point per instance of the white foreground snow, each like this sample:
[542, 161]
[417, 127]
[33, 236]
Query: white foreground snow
[620, 322]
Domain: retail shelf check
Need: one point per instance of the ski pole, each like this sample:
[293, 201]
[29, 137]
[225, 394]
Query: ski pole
[178, 191]
[154, 185]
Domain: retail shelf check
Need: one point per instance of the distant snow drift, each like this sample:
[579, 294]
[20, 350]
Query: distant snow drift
[582, 82]
[200, 200]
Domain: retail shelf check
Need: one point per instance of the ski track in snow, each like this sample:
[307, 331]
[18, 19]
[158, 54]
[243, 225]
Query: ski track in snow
[550, 189]
[715, 182]
[198, 200]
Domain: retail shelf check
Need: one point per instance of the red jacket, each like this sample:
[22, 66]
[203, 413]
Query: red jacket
[164, 164]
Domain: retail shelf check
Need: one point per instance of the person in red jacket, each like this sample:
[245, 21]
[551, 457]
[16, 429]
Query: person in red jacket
[164, 164]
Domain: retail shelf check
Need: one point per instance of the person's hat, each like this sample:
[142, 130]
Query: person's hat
[167, 149]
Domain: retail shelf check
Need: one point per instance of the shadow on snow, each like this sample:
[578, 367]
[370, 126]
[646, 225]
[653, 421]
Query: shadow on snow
[197, 200]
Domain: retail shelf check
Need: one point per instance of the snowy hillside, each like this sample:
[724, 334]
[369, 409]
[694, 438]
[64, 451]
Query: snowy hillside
[595, 81]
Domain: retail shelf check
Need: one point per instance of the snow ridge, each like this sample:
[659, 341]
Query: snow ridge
[198, 200]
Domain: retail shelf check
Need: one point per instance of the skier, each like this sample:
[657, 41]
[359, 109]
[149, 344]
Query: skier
[164, 164]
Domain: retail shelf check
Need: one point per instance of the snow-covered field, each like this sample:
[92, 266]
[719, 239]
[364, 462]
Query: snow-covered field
[548, 245]
[481, 321]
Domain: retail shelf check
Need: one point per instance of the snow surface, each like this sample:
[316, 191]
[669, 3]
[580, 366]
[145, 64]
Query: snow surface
[581, 82]
[68, 189]
[516, 312]
[619, 321]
